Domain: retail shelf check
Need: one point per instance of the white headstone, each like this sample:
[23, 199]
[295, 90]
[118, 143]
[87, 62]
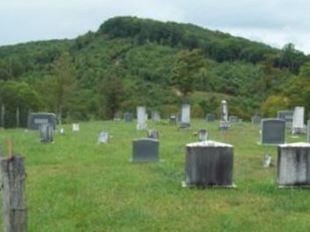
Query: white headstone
[75, 127]
[62, 131]
[298, 120]
[103, 137]
[224, 111]
[141, 118]
[186, 113]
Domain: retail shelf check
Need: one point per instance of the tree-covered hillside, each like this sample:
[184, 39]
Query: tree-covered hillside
[131, 61]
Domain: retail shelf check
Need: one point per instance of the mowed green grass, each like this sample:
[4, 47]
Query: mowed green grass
[76, 184]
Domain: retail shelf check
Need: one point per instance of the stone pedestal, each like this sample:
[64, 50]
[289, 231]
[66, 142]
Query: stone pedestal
[294, 164]
[209, 164]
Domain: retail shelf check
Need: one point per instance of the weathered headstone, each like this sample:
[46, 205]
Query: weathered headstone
[145, 150]
[202, 135]
[185, 121]
[128, 117]
[141, 118]
[294, 164]
[273, 131]
[210, 117]
[224, 124]
[233, 119]
[172, 119]
[256, 119]
[36, 119]
[46, 133]
[209, 163]
[153, 134]
[62, 131]
[103, 137]
[298, 126]
[287, 116]
[75, 127]
[155, 116]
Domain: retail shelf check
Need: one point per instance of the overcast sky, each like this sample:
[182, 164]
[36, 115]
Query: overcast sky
[275, 22]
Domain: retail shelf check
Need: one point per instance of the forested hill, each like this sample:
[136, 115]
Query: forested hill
[131, 61]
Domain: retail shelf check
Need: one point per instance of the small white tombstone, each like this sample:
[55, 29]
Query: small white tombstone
[75, 127]
[298, 120]
[224, 111]
[141, 118]
[103, 137]
[62, 131]
[186, 114]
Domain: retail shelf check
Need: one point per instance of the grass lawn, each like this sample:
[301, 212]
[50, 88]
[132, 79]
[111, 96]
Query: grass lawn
[76, 184]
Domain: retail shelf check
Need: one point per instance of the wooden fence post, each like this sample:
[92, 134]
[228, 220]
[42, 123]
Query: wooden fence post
[14, 198]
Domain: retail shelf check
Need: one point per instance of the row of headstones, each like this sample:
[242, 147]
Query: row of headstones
[210, 163]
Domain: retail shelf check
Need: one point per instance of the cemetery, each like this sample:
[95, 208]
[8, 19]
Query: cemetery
[131, 180]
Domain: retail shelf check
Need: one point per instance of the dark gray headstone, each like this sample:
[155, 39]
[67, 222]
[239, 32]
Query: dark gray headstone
[210, 117]
[294, 164]
[128, 117]
[36, 119]
[287, 116]
[209, 164]
[273, 131]
[46, 133]
[145, 150]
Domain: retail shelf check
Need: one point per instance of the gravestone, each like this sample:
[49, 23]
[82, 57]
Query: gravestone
[273, 131]
[210, 117]
[36, 119]
[153, 134]
[224, 124]
[75, 127]
[128, 117]
[298, 126]
[308, 131]
[294, 164]
[233, 119]
[62, 131]
[173, 119]
[287, 116]
[155, 116]
[256, 119]
[141, 118]
[209, 163]
[145, 150]
[185, 121]
[202, 135]
[103, 137]
[46, 133]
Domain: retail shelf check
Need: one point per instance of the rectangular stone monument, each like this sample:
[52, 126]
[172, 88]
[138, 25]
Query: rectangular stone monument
[256, 119]
[46, 133]
[145, 150]
[294, 164]
[103, 137]
[185, 116]
[36, 119]
[155, 116]
[224, 111]
[209, 164]
[75, 127]
[287, 116]
[273, 131]
[298, 126]
[233, 119]
[141, 118]
[128, 117]
[210, 117]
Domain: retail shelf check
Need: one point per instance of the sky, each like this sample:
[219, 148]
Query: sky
[275, 22]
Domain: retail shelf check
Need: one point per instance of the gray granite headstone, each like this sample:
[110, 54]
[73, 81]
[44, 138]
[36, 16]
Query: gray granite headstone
[36, 119]
[273, 131]
[128, 117]
[46, 133]
[209, 163]
[210, 117]
[294, 164]
[233, 119]
[145, 150]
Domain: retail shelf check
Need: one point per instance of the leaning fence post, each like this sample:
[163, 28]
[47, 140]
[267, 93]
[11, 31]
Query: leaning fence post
[14, 197]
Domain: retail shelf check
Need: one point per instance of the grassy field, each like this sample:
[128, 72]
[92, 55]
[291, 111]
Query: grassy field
[76, 184]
